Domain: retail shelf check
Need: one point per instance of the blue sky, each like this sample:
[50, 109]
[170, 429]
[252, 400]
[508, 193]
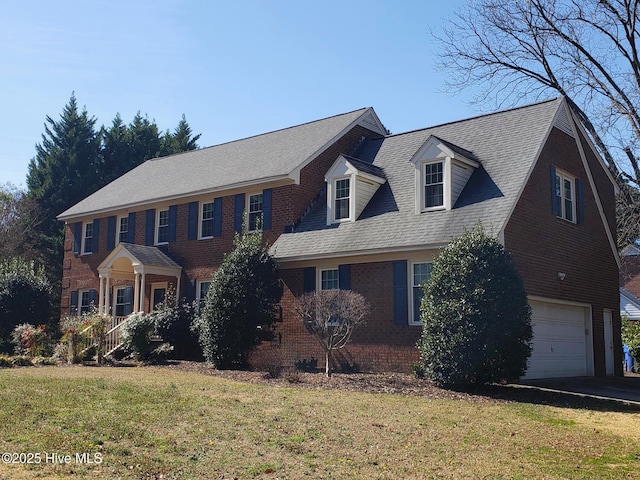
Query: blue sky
[235, 69]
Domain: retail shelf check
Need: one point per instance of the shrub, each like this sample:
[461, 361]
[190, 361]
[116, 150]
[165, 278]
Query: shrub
[631, 336]
[173, 325]
[240, 308]
[72, 328]
[29, 340]
[25, 294]
[22, 361]
[99, 324]
[5, 362]
[475, 315]
[136, 335]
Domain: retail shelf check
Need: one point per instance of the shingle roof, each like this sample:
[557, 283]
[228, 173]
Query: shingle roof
[149, 256]
[505, 143]
[241, 162]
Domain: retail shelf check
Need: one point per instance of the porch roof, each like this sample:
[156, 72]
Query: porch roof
[141, 259]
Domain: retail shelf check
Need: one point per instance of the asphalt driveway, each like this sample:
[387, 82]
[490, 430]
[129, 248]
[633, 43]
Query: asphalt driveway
[622, 389]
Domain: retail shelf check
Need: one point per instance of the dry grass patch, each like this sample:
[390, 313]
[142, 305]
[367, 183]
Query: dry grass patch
[161, 423]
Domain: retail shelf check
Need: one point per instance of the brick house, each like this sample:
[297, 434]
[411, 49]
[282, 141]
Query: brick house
[344, 205]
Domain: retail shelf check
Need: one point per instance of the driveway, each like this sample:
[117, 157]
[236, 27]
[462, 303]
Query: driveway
[622, 389]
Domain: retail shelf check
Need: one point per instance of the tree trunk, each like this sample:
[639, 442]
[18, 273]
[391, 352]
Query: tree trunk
[327, 367]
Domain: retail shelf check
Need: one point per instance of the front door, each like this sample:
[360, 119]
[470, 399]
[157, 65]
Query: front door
[608, 342]
[158, 294]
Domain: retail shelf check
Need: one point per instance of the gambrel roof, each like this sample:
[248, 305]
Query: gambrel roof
[273, 156]
[505, 144]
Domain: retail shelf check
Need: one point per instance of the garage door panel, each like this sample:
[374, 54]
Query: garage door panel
[559, 342]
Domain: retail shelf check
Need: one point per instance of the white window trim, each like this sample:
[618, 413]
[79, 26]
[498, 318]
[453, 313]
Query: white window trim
[351, 197]
[158, 286]
[80, 305]
[563, 214]
[248, 203]
[446, 184]
[201, 219]
[199, 283]
[118, 220]
[157, 226]
[84, 238]
[412, 320]
[319, 283]
[115, 297]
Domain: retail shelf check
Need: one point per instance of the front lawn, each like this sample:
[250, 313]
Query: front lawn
[149, 422]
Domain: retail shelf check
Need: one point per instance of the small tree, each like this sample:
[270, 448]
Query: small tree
[631, 336]
[475, 315]
[241, 304]
[332, 316]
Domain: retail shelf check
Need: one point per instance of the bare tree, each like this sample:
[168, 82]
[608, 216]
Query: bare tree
[585, 50]
[18, 218]
[332, 316]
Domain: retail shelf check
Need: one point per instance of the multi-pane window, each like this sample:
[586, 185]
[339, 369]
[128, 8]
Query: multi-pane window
[255, 212]
[86, 302]
[565, 193]
[120, 301]
[433, 184]
[123, 229]
[206, 220]
[420, 274]
[202, 291]
[162, 233]
[87, 238]
[329, 279]
[342, 199]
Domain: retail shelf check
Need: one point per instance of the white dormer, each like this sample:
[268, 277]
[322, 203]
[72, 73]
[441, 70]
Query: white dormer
[441, 172]
[350, 185]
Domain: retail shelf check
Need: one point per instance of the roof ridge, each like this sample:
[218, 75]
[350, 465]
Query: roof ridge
[488, 114]
[363, 109]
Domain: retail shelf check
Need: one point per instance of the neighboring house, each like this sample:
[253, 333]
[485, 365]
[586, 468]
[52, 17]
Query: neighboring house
[630, 282]
[629, 305]
[344, 205]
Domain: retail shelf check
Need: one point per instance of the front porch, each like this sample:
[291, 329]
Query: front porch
[133, 279]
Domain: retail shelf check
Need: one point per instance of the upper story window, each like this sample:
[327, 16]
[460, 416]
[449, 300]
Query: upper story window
[202, 289]
[420, 274]
[255, 209]
[342, 208]
[329, 279]
[565, 196]
[162, 227]
[87, 238]
[433, 184]
[206, 220]
[123, 229]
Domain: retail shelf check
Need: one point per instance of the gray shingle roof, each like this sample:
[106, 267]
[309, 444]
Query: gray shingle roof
[505, 143]
[242, 162]
[150, 256]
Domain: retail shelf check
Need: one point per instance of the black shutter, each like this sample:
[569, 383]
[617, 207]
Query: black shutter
[151, 220]
[400, 293]
[111, 232]
[579, 202]
[173, 220]
[309, 282]
[556, 205]
[131, 233]
[193, 221]
[96, 236]
[128, 300]
[77, 237]
[238, 212]
[344, 277]
[217, 217]
[266, 209]
[73, 303]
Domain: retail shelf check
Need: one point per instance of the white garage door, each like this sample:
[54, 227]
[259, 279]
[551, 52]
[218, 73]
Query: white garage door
[560, 340]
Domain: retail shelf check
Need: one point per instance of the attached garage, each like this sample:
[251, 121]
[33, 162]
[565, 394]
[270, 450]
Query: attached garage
[562, 340]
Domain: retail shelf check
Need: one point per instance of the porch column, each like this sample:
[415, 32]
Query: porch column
[177, 291]
[136, 293]
[107, 295]
[142, 287]
[101, 295]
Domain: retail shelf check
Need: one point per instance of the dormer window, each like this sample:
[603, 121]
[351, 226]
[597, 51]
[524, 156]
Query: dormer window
[350, 185]
[433, 185]
[342, 210]
[441, 172]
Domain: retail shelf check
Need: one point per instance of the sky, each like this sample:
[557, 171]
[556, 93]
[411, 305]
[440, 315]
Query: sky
[235, 69]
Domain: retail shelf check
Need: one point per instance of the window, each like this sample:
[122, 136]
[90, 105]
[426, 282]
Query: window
[202, 289]
[255, 212]
[162, 230]
[421, 272]
[86, 301]
[123, 229]
[120, 302]
[433, 185]
[565, 196]
[206, 220]
[87, 238]
[329, 279]
[158, 294]
[342, 210]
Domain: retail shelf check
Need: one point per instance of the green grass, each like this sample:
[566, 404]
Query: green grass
[146, 422]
